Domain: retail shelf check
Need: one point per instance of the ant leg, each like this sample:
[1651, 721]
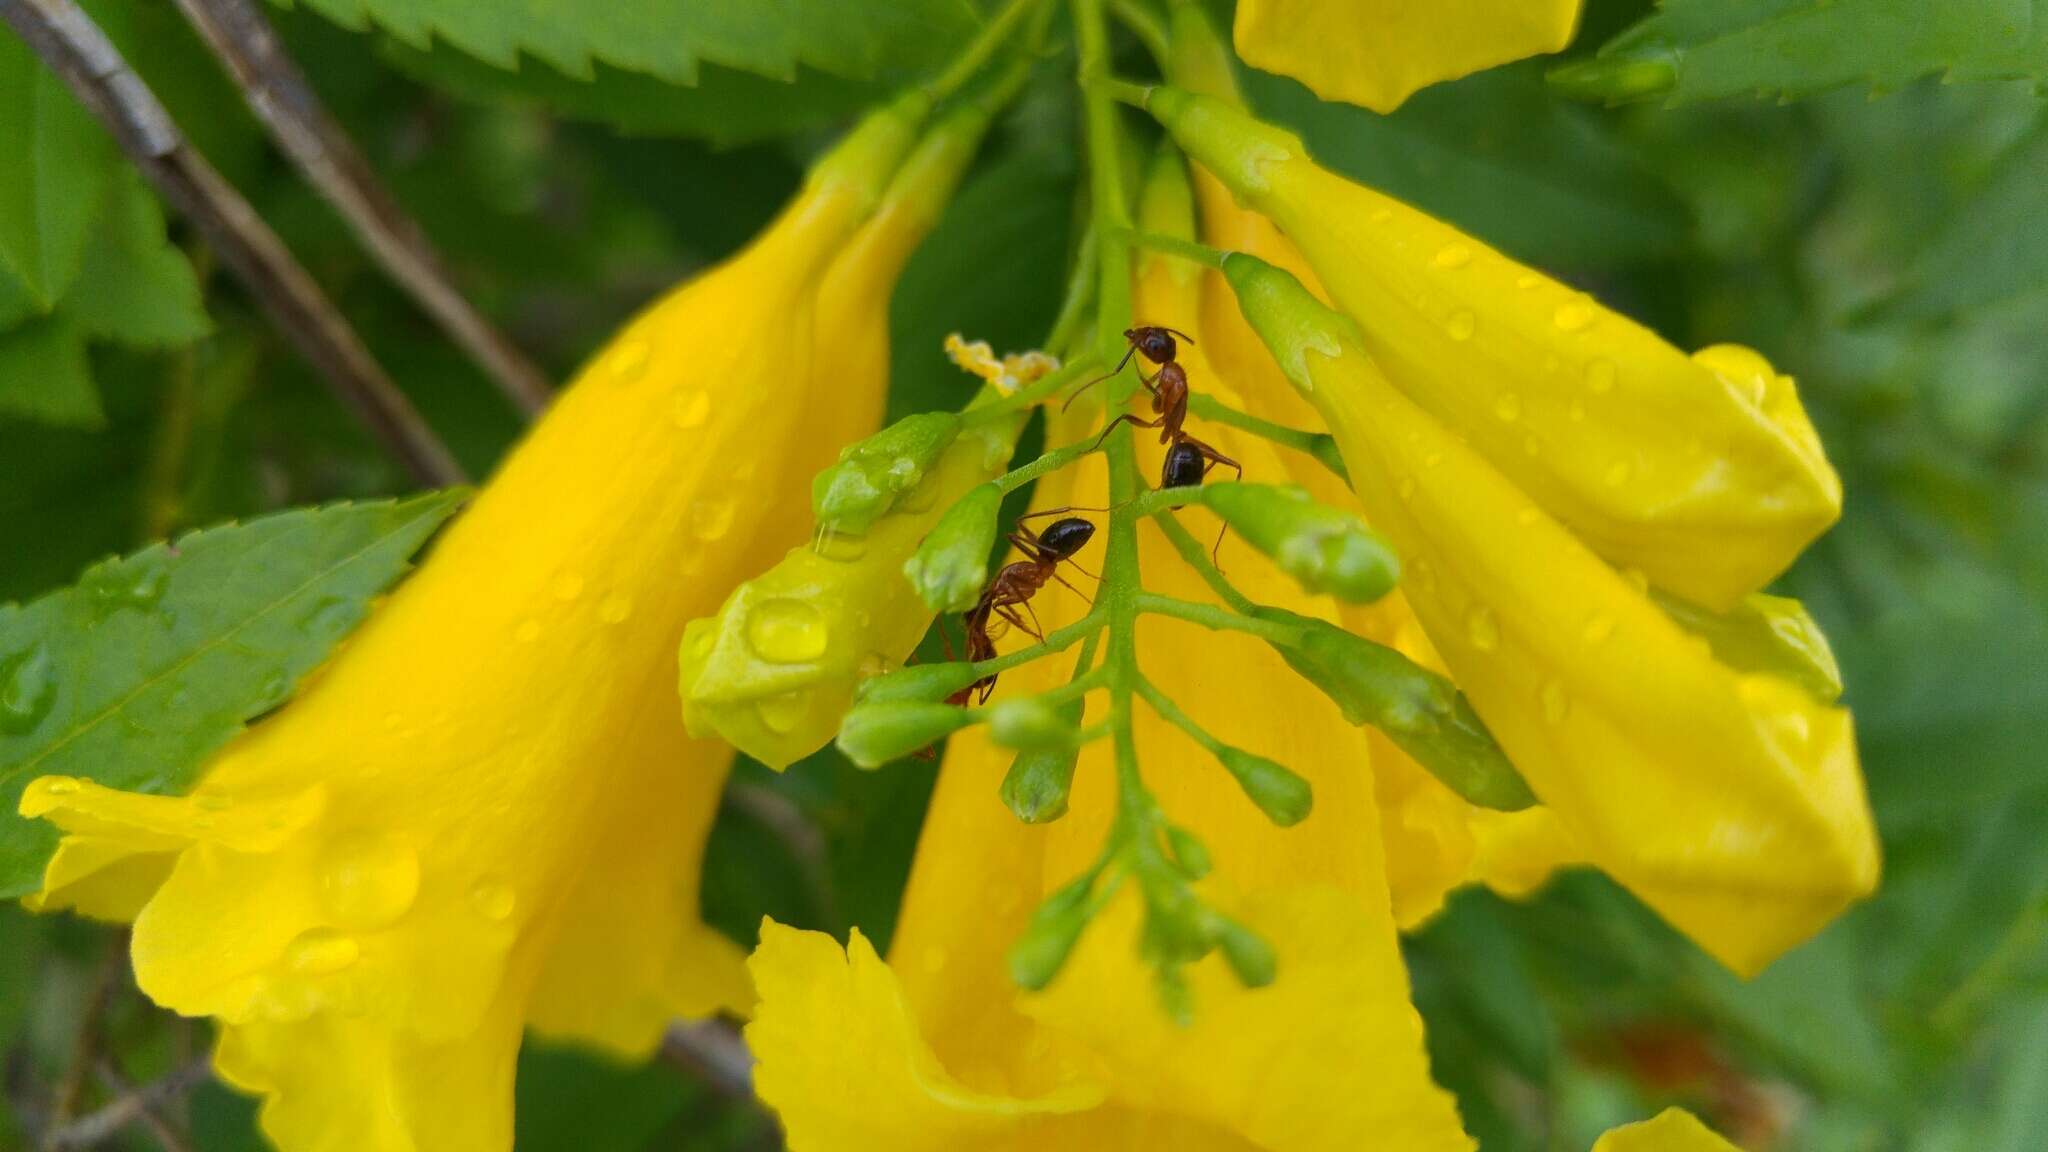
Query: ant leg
[1061, 509]
[1213, 457]
[1107, 428]
[1085, 599]
[1076, 394]
[1034, 629]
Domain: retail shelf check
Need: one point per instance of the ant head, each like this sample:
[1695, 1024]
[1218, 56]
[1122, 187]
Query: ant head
[1155, 344]
[1066, 536]
[1184, 466]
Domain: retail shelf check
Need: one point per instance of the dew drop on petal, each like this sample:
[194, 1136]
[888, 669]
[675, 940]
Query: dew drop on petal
[615, 609]
[369, 880]
[213, 801]
[781, 714]
[527, 632]
[933, 960]
[691, 408]
[1601, 376]
[627, 360]
[1482, 629]
[1598, 629]
[1574, 315]
[568, 586]
[1578, 410]
[60, 786]
[787, 631]
[1557, 704]
[711, 518]
[1381, 215]
[1405, 489]
[492, 900]
[1618, 473]
[1528, 516]
[1453, 256]
[1461, 325]
[1528, 281]
[1507, 407]
[322, 951]
[1637, 579]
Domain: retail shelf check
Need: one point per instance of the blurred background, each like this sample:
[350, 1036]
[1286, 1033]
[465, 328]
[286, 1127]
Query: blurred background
[1889, 249]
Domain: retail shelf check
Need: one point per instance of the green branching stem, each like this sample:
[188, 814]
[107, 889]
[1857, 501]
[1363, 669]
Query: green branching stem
[1197, 557]
[1145, 24]
[1059, 640]
[984, 45]
[1320, 445]
[1176, 246]
[1218, 619]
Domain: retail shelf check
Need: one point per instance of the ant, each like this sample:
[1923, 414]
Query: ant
[1015, 585]
[1188, 460]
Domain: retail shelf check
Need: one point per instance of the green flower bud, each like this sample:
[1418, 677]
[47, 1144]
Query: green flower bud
[951, 566]
[1038, 955]
[1618, 78]
[1421, 712]
[1248, 953]
[1284, 797]
[873, 474]
[1036, 786]
[1030, 724]
[1326, 550]
[875, 734]
[919, 683]
[1189, 852]
[1768, 634]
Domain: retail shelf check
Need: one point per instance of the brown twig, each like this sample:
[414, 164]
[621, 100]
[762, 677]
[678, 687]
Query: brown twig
[278, 93]
[129, 1107]
[713, 1051]
[85, 1042]
[74, 47]
[151, 1118]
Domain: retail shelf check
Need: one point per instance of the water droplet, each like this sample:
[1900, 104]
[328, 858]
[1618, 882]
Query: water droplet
[1574, 315]
[1461, 325]
[1598, 629]
[1381, 215]
[1528, 516]
[1531, 446]
[1432, 460]
[1618, 473]
[1482, 629]
[1423, 573]
[331, 617]
[787, 631]
[1528, 280]
[28, 687]
[615, 609]
[568, 586]
[711, 518]
[691, 408]
[933, 960]
[921, 496]
[393, 721]
[60, 786]
[874, 664]
[322, 951]
[274, 692]
[1406, 488]
[1453, 256]
[1557, 704]
[627, 360]
[369, 881]
[1578, 410]
[492, 900]
[781, 714]
[527, 632]
[213, 801]
[135, 582]
[1601, 376]
[1508, 407]
[844, 547]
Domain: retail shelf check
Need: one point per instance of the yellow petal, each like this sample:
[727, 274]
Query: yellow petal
[511, 815]
[1378, 52]
[1731, 802]
[1703, 473]
[1673, 1130]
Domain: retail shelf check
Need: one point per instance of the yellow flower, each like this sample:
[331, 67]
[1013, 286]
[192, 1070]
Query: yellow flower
[1724, 794]
[938, 1050]
[483, 814]
[1673, 1130]
[1435, 839]
[1378, 52]
[1702, 472]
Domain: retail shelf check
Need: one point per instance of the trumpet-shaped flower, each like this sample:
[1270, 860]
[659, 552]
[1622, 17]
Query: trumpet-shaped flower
[1435, 840]
[1378, 52]
[483, 813]
[1672, 1130]
[1726, 796]
[939, 1050]
[1701, 471]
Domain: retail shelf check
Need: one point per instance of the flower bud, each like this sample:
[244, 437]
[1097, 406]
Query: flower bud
[1326, 550]
[1189, 852]
[1250, 957]
[1420, 711]
[1284, 797]
[1769, 634]
[1038, 955]
[919, 683]
[872, 735]
[873, 474]
[951, 566]
[1036, 786]
[1031, 724]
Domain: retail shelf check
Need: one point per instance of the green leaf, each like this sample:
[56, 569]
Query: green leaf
[1693, 50]
[1500, 157]
[1991, 248]
[135, 287]
[134, 676]
[57, 165]
[671, 39]
[724, 106]
[44, 374]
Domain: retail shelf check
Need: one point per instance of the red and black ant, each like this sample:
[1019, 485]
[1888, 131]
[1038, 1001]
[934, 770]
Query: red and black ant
[1014, 586]
[1188, 460]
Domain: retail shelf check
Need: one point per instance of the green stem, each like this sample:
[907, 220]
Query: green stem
[1164, 500]
[1218, 619]
[1197, 557]
[1320, 445]
[1146, 25]
[977, 53]
[1058, 641]
[1079, 686]
[1052, 461]
[1185, 249]
[1066, 329]
[1031, 394]
[1173, 714]
[1124, 91]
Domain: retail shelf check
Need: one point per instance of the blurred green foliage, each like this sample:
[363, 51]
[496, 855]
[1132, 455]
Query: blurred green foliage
[1890, 251]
